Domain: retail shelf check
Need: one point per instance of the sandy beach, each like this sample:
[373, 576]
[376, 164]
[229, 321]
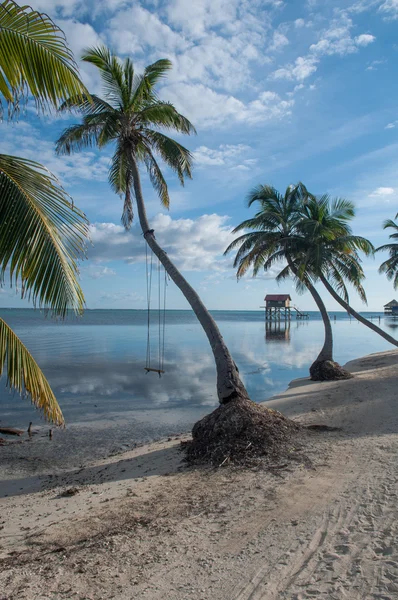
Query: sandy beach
[142, 525]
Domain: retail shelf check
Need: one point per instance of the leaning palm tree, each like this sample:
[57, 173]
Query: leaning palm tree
[390, 266]
[332, 252]
[275, 238]
[130, 117]
[42, 235]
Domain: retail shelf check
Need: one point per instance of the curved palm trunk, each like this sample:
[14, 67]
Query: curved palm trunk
[327, 351]
[229, 384]
[323, 368]
[354, 313]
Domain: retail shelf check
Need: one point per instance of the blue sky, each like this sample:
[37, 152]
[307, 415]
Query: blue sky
[278, 91]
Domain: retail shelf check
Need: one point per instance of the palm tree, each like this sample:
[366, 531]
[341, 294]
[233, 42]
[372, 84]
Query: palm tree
[130, 117]
[332, 252]
[34, 59]
[42, 235]
[390, 266]
[275, 237]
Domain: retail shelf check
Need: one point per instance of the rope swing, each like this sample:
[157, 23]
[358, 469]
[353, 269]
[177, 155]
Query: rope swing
[161, 310]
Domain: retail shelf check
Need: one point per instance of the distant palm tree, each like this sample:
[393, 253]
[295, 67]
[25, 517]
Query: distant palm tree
[390, 266]
[313, 236]
[333, 252]
[276, 237]
[41, 235]
[129, 117]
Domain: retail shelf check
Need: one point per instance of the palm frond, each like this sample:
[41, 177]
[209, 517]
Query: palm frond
[111, 71]
[157, 179]
[42, 236]
[163, 114]
[25, 376]
[35, 59]
[178, 158]
[77, 137]
[144, 85]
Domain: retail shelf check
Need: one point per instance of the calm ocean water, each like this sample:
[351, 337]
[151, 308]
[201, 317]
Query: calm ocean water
[95, 366]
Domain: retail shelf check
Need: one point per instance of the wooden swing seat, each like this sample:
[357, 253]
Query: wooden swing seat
[147, 369]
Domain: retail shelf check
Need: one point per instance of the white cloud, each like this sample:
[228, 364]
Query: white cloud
[194, 244]
[391, 125]
[279, 41]
[136, 28]
[382, 192]
[336, 39]
[65, 7]
[219, 109]
[390, 9]
[373, 66]
[364, 39]
[97, 271]
[302, 68]
[25, 140]
[225, 154]
[299, 23]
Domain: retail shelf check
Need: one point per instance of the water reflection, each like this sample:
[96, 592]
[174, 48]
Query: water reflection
[277, 331]
[97, 371]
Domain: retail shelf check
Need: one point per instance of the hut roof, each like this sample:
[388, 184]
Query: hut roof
[392, 303]
[277, 297]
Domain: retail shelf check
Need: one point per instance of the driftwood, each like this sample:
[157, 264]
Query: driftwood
[11, 431]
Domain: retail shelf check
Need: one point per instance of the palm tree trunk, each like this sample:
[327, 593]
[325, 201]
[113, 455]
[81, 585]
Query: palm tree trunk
[354, 313]
[327, 351]
[229, 384]
[324, 367]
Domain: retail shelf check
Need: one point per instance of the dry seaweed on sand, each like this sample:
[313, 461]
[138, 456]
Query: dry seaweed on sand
[240, 433]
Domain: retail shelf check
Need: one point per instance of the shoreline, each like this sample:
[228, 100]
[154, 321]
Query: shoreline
[280, 401]
[139, 524]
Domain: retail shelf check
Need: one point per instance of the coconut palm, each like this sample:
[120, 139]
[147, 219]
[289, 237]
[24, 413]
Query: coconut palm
[35, 59]
[333, 252]
[41, 234]
[275, 238]
[390, 266]
[130, 117]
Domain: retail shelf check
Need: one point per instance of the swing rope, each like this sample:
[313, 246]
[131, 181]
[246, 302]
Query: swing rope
[148, 297]
[161, 314]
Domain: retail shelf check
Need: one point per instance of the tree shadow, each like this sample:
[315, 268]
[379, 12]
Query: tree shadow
[154, 462]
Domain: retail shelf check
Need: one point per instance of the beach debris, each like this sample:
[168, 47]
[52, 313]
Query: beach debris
[72, 491]
[11, 431]
[322, 428]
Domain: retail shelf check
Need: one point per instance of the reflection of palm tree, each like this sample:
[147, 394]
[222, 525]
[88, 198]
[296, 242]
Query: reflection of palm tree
[41, 234]
[276, 236]
[390, 266]
[130, 117]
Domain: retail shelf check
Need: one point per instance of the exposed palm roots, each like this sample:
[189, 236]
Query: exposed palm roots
[241, 433]
[328, 370]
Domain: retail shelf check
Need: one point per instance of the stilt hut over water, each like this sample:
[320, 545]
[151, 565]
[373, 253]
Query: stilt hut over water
[277, 306]
[391, 308]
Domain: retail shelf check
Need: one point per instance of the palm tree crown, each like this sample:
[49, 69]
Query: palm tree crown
[311, 233]
[390, 266]
[130, 116]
